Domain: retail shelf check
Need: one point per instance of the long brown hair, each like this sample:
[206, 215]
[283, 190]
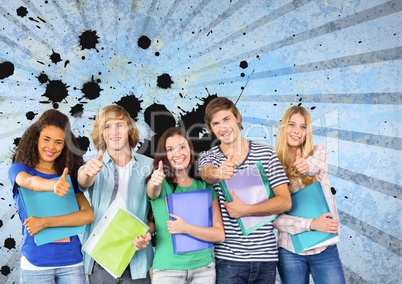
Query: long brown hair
[71, 155]
[282, 146]
[161, 154]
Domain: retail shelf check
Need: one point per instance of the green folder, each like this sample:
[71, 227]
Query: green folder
[251, 185]
[111, 242]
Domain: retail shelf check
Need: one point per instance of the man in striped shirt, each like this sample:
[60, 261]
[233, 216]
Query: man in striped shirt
[251, 258]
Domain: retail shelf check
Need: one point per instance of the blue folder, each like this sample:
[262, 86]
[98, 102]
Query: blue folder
[47, 204]
[309, 202]
[251, 185]
[195, 208]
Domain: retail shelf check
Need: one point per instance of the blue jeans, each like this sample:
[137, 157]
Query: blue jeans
[62, 275]
[236, 272]
[202, 275]
[325, 267]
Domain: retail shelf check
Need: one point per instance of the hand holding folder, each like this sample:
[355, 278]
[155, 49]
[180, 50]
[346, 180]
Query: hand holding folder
[195, 208]
[251, 186]
[111, 242]
[48, 204]
[310, 202]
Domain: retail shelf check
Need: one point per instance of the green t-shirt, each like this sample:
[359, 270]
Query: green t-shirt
[164, 257]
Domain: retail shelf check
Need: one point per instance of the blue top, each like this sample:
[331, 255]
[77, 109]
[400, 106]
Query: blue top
[52, 254]
[100, 193]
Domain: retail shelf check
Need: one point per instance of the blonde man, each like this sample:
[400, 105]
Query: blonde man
[117, 173]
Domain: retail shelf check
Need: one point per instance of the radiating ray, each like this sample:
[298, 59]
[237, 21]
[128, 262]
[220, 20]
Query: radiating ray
[352, 98]
[148, 17]
[191, 16]
[387, 142]
[24, 28]
[80, 8]
[352, 276]
[168, 16]
[381, 10]
[278, 13]
[341, 62]
[381, 186]
[359, 137]
[59, 8]
[385, 240]
[15, 46]
[37, 13]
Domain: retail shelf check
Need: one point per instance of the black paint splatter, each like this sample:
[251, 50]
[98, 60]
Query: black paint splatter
[83, 143]
[6, 69]
[9, 243]
[88, 40]
[22, 11]
[159, 119]
[17, 141]
[91, 89]
[77, 110]
[55, 57]
[1, 223]
[333, 190]
[164, 81]
[43, 78]
[243, 64]
[30, 115]
[144, 42]
[56, 91]
[5, 270]
[131, 104]
[193, 122]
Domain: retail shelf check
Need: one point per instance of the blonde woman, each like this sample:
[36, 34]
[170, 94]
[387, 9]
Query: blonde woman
[304, 164]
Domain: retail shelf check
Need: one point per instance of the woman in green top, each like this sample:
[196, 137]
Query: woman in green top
[174, 171]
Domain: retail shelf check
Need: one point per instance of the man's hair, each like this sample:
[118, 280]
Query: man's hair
[108, 113]
[218, 104]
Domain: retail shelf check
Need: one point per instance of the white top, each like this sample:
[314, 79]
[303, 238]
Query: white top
[124, 177]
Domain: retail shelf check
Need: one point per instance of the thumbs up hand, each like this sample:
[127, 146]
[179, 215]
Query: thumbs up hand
[61, 186]
[158, 175]
[226, 169]
[300, 163]
[94, 165]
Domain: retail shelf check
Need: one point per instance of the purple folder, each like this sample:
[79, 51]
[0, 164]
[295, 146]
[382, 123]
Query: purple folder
[195, 208]
[251, 185]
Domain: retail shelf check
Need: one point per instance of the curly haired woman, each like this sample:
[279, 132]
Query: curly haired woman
[46, 152]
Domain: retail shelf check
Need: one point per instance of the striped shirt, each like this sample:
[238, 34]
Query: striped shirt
[259, 245]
